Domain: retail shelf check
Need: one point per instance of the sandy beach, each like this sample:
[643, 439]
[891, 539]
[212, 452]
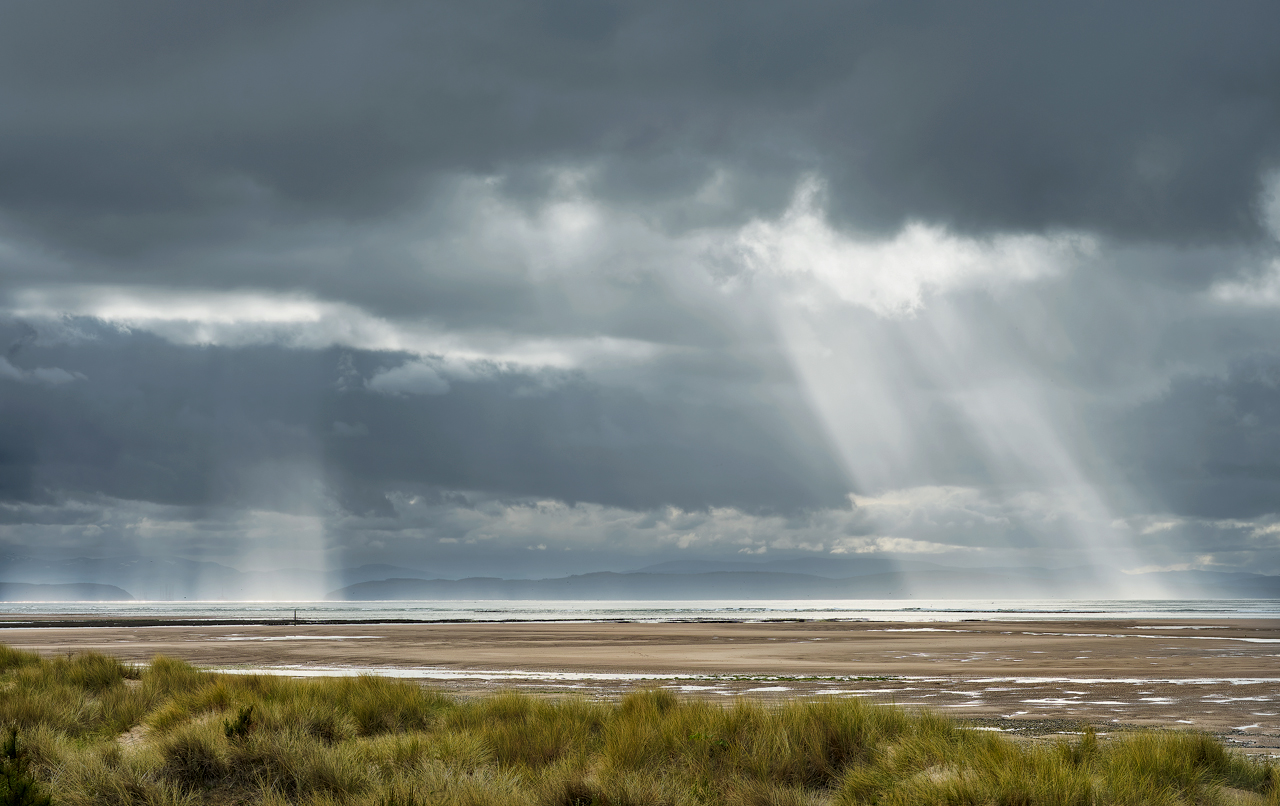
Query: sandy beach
[1028, 678]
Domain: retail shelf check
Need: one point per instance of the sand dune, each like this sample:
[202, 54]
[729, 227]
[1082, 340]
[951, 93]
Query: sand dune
[1220, 676]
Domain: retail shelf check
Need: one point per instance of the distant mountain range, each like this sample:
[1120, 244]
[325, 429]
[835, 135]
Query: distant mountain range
[174, 578]
[70, 592]
[168, 578]
[918, 583]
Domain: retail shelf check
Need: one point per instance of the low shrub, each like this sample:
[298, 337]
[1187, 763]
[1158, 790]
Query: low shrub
[18, 787]
[239, 727]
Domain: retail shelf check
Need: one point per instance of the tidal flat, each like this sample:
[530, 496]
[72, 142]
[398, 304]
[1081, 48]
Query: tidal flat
[89, 728]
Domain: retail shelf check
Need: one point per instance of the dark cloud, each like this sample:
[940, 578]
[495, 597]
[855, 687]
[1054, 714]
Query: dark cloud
[266, 427]
[1210, 447]
[148, 126]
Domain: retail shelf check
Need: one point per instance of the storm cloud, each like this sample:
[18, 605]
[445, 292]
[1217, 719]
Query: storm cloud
[602, 284]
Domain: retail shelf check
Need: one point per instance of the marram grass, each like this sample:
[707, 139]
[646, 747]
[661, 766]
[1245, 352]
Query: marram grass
[95, 732]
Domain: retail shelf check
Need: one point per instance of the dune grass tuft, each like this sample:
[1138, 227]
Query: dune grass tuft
[178, 735]
[11, 658]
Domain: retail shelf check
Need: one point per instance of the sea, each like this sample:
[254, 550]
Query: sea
[651, 611]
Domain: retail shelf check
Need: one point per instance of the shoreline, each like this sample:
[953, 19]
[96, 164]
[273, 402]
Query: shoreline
[919, 621]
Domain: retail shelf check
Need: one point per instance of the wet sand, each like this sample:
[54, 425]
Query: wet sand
[1028, 678]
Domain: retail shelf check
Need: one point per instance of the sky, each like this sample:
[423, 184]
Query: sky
[534, 288]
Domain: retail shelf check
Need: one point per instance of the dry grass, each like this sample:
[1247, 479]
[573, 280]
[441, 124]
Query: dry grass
[202, 738]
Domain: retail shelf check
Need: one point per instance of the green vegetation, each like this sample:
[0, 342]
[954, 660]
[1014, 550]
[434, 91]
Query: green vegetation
[94, 731]
[17, 786]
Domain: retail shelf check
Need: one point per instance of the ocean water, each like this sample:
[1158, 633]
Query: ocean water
[889, 610]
